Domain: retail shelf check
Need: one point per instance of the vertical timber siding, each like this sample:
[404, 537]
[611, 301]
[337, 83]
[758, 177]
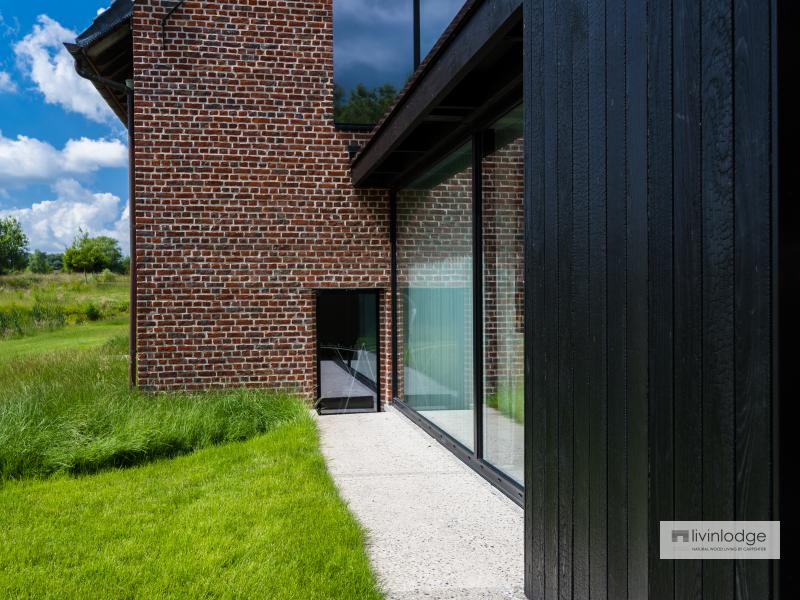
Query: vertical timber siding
[649, 278]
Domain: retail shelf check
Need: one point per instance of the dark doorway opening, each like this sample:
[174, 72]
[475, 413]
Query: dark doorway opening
[348, 364]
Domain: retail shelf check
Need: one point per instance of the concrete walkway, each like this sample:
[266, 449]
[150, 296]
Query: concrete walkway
[436, 530]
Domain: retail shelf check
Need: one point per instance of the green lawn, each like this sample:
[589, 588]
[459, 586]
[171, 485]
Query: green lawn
[77, 337]
[255, 519]
[108, 493]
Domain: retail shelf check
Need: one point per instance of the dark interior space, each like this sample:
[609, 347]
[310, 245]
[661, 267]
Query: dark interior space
[347, 351]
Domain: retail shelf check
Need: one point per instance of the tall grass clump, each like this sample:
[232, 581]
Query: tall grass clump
[73, 412]
[17, 321]
[509, 400]
[32, 303]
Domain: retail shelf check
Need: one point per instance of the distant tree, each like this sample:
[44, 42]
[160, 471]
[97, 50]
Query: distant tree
[93, 254]
[56, 261]
[110, 249]
[38, 263]
[13, 245]
[363, 105]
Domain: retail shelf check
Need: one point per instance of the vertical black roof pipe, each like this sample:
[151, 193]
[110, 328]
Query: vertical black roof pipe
[417, 53]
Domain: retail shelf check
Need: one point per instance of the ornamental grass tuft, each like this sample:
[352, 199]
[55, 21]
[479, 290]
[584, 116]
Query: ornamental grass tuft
[72, 412]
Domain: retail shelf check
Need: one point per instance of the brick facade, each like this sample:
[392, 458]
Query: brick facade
[244, 204]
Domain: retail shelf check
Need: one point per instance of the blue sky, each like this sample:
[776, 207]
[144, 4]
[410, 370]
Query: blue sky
[373, 39]
[63, 157]
[63, 154]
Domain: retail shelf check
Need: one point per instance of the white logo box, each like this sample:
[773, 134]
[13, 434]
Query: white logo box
[718, 540]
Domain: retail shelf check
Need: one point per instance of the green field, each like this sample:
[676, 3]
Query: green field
[31, 303]
[77, 337]
[111, 493]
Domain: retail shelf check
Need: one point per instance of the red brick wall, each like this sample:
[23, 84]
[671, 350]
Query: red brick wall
[243, 198]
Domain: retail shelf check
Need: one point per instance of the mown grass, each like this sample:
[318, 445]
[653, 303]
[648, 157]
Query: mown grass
[30, 303]
[79, 337]
[73, 412]
[254, 519]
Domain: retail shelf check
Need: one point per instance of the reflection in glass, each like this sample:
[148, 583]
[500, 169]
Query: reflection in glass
[372, 57]
[347, 323]
[434, 275]
[503, 297]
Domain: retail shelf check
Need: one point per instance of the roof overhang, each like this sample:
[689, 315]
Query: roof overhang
[474, 71]
[104, 55]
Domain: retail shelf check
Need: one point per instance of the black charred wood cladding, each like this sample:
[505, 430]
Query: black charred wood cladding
[650, 267]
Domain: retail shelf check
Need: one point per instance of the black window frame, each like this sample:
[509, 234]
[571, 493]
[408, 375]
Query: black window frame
[377, 292]
[474, 459]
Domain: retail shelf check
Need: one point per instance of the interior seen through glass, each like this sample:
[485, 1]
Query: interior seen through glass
[434, 282]
[348, 350]
[435, 295]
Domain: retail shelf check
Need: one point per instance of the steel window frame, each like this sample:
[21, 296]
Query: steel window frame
[318, 292]
[473, 458]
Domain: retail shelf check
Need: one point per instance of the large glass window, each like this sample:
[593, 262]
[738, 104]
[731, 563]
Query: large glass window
[502, 176]
[434, 281]
[372, 56]
[435, 302]
[373, 51]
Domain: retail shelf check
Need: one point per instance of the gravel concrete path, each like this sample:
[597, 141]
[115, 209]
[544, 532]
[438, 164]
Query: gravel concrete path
[436, 530]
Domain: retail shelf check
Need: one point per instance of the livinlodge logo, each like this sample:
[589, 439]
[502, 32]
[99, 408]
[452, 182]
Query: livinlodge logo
[720, 540]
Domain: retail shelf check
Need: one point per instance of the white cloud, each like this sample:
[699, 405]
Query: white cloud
[6, 83]
[51, 225]
[43, 58]
[27, 159]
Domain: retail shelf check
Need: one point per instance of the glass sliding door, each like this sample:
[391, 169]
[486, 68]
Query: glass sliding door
[502, 177]
[434, 295]
[459, 251]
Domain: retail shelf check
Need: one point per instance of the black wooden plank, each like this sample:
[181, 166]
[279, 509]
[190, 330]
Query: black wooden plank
[661, 281]
[687, 297]
[535, 403]
[580, 285]
[752, 281]
[718, 285]
[551, 333]
[637, 295]
[564, 301]
[617, 309]
[786, 284]
[598, 411]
